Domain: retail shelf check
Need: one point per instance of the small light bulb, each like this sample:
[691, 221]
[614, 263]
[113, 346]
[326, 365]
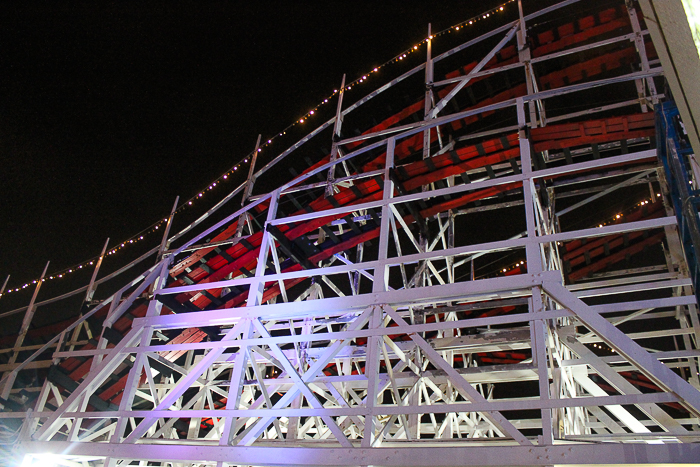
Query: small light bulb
[311, 113]
[301, 121]
[376, 69]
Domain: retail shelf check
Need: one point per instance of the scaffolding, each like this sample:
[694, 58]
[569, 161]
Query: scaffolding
[500, 273]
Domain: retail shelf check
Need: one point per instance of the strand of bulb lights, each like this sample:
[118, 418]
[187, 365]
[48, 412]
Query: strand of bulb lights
[225, 177]
[620, 215]
[603, 347]
[616, 218]
[515, 266]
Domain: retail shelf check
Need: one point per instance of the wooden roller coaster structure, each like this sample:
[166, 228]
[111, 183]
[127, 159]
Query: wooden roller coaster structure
[500, 273]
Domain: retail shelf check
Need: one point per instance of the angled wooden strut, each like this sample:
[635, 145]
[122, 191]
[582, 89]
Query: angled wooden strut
[645, 362]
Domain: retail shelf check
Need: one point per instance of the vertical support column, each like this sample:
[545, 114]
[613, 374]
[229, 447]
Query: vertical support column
[257, 287]
[524, 56]
[237, 374]
[414, 398]
[32, 423]
[91, 286]
[538, 337]
[88, 299]
[74, 433]
[532, 249]
[248, 190]
[102, 341]
[428, 105]
[155, 306]
[132, 382]
[4, 285]
[336, 137]
[644, 60]
[358, 274]
[26, 322]
[164, 242]
[428, 94]
[372, 375]
[450, 261]
[381, 276]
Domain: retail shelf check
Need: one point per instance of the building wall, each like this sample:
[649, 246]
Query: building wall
[674, 28]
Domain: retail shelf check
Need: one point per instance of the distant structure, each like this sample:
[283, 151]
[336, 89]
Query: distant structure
[499, 270]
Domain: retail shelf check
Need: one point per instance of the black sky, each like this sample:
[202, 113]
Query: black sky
[108, 110]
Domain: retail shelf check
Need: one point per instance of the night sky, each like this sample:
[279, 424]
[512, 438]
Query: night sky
[109, 110]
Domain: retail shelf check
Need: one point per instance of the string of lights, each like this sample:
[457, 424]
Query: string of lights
[620, 215]
[245, 160]
[613, 220]
[515, 266]
[603, 347]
